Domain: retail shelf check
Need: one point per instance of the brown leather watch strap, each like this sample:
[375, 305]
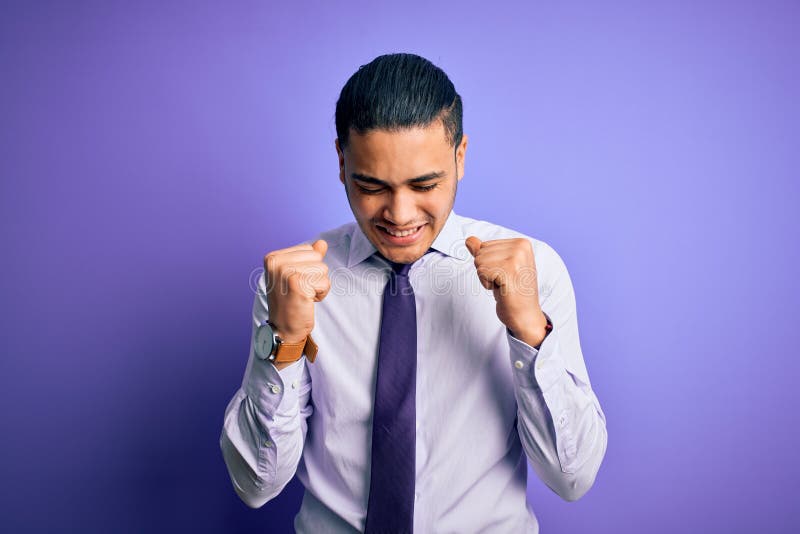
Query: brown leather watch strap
[310, 349]
[291, 352]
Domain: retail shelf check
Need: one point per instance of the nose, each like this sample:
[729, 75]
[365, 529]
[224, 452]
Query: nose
[401, 209]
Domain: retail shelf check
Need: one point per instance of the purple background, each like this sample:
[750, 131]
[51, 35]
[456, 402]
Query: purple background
[151, 154]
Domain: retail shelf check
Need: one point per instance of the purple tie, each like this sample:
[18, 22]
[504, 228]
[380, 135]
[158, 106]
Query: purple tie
[391, 490]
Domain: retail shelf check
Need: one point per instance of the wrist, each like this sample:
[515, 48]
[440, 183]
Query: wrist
[536, 333]
[288, 335]
[270, 345]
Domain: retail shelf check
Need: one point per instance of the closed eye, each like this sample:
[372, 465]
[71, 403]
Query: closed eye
[368, 191]
[375, 191]
[425, 187]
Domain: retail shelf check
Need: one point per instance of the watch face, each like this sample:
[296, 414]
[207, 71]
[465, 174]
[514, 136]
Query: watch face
[264, 341]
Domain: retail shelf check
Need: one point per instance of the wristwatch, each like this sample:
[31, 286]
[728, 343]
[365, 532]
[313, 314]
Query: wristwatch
[269, 346]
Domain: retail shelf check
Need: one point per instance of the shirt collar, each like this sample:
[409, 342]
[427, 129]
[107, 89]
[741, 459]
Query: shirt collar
[449, 242]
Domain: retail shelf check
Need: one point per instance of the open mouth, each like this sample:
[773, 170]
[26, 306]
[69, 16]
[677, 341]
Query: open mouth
[401, 237]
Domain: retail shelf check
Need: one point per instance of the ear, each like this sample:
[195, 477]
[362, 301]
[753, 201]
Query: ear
[341, 160]
[461, 152]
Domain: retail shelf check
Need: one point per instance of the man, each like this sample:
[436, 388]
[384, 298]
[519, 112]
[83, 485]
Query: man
[406, 365]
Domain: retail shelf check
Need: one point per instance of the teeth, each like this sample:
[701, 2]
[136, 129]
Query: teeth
[401, 234]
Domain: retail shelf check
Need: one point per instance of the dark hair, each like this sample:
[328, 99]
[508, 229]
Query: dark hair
[396, 91]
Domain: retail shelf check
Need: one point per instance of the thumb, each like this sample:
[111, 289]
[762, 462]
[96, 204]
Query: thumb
[321, 246]
[473, 244]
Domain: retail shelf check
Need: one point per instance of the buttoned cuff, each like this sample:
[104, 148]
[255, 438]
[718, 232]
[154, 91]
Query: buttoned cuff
[270, 389]
[534, 368]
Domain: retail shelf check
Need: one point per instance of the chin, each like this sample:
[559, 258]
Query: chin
[404, 256]
[403, 253]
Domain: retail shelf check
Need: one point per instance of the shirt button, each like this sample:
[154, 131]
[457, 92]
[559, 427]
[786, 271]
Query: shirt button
[416, 497]
[294, 384]
[276, 388]
[539, 365]
[268, 444]
[519, 364]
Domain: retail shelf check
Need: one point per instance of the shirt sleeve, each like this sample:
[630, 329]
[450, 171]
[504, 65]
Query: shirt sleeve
[559, 419]
[265, 423]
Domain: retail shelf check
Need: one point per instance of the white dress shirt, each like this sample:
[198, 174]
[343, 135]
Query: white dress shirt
[485, 400]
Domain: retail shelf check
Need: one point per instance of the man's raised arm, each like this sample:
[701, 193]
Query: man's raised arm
[265, 423]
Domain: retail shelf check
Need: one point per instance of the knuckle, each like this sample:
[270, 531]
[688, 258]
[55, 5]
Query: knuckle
[288, 271]
[294, 281]
[269, 261]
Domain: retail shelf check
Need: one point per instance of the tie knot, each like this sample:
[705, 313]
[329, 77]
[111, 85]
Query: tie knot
[401, 269]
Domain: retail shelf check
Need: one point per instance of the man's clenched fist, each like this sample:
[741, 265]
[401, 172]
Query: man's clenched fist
[296, 278]
[507, 267]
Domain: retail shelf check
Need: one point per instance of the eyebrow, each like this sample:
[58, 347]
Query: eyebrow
[372, 180]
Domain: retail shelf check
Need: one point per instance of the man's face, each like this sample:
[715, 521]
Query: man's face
[399, 182]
